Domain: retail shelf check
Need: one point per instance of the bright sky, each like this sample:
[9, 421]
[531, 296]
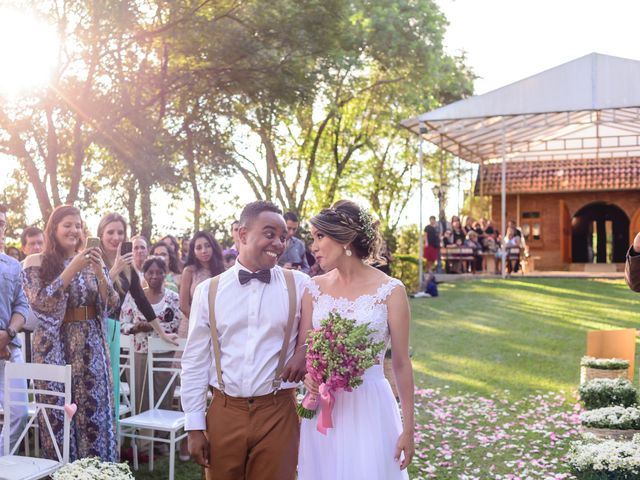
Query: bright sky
[507, 40]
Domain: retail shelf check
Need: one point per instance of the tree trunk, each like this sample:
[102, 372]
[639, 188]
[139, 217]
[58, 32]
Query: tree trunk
[132, 198]
[193, 180]
[146, 217]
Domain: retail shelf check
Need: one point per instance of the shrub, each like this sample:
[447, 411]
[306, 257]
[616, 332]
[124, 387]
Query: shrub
[608, 392]
[405, 268]
[619, 418]
[605, 363]
[608, 460]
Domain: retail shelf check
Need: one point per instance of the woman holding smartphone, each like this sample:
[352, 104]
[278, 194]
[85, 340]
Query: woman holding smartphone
[118, 257]
[70, 289]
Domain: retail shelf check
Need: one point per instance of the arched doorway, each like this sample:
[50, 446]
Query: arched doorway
[599, 234]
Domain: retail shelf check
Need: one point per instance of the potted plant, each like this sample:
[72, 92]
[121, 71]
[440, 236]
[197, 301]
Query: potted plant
[592, 368]
[607, 392]
[620, 423]
[92, 468]
[608, 460]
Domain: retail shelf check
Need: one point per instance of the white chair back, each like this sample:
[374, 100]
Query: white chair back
[156, 364]
[31, 372]
[127, 365]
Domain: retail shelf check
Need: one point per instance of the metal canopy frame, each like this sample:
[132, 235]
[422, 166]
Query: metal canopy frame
[587, 109]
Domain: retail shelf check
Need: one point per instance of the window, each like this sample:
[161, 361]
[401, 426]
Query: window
[531, 225]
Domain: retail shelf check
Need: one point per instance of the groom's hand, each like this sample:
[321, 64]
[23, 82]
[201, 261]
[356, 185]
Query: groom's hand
[199, 447]
[295, 369]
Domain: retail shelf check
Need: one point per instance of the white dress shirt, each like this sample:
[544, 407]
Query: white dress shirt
[251, 320]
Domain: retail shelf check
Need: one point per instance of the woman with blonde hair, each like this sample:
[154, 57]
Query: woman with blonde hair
[112, 232]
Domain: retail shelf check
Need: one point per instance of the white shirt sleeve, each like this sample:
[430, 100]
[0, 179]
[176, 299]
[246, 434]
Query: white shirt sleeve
[197, 361]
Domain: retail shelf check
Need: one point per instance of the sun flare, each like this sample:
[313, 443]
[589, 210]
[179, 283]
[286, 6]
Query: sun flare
[28, 50]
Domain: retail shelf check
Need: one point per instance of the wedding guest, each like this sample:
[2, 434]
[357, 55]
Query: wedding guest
[369, 438]
[32, 240]
[229, 258]
[458, 233]
[632, 265]
[184, 249]
[112, 232]
[468, 224]
[173, 277]
[166, 305]
[235, 226]
[140, 248]
[251, 426]
[431, 244]
[73, 294]
[294, 250]
[204, 261]
[172, 243]
[14, 253]
[473, 242]
[14, 310]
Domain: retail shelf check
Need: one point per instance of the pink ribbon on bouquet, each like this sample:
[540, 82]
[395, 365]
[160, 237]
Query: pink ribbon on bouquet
[326, 407]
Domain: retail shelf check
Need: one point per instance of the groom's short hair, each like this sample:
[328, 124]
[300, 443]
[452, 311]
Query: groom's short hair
[252, 210]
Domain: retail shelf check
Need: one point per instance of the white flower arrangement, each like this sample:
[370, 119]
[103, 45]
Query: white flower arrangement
[605, 392]
[605, 363]
[617, 417]
[93, 468]
[605, 458]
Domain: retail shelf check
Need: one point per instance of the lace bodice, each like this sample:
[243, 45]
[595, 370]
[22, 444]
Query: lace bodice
[371, 309]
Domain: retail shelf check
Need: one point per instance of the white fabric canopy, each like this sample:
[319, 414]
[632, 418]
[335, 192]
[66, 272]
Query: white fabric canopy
[586, 108]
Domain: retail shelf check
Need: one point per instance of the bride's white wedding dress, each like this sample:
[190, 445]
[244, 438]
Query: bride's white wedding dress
[366, 421]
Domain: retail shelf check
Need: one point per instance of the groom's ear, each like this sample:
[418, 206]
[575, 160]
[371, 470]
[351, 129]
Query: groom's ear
[243, 231]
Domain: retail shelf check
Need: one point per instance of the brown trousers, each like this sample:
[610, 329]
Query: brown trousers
[253, 438]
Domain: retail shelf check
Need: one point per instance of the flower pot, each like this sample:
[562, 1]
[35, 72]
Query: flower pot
[624, 435]
[388, 372]
[589, 373]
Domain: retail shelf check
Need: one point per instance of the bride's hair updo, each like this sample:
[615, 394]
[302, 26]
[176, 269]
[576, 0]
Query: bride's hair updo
[347, 222]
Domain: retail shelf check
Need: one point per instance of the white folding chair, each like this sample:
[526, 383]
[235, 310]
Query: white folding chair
[157, 419]
[127, 366]
[16, 467]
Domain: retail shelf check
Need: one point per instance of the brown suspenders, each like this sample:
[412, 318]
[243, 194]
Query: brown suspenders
[291, 290]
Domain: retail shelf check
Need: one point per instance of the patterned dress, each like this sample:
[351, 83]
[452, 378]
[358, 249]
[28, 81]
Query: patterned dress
[82, 345]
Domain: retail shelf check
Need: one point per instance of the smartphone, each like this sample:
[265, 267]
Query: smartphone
[93, 242]
[126, 247]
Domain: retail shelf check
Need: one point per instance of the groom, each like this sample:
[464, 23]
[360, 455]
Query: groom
[251, 426]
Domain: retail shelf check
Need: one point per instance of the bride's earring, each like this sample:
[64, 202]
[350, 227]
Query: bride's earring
[347, 252]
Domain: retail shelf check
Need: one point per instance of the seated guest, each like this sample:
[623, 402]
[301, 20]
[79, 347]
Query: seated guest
[472, 242]
[166, 305]
[632, 265]
[459, 235]
[294, 250]
[172, 279]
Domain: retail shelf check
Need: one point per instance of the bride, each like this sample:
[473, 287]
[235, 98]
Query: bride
[368, 439]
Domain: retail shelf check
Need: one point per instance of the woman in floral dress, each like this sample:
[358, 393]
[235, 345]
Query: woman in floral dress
[72, 294]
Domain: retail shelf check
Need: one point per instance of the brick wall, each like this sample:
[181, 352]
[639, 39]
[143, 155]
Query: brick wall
[548, 204]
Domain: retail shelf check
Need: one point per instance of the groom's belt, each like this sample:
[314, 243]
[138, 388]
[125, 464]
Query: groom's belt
[257, 400]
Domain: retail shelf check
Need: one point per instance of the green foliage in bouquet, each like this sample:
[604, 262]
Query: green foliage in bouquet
[338, 353]
[607, 392]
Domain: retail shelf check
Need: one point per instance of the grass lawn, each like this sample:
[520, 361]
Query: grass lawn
[497, 367]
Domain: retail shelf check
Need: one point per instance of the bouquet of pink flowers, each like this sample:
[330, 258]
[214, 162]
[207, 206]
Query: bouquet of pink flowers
[338, 353]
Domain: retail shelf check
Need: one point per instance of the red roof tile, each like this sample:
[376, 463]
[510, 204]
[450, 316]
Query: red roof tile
[561, 176]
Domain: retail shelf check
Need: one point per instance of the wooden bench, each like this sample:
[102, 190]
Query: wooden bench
[457, 255]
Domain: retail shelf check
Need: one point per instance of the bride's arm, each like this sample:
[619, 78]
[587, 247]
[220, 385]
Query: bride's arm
[399, 320]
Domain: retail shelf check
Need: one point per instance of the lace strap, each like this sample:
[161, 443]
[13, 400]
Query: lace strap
[313, 288]
[386, 288]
